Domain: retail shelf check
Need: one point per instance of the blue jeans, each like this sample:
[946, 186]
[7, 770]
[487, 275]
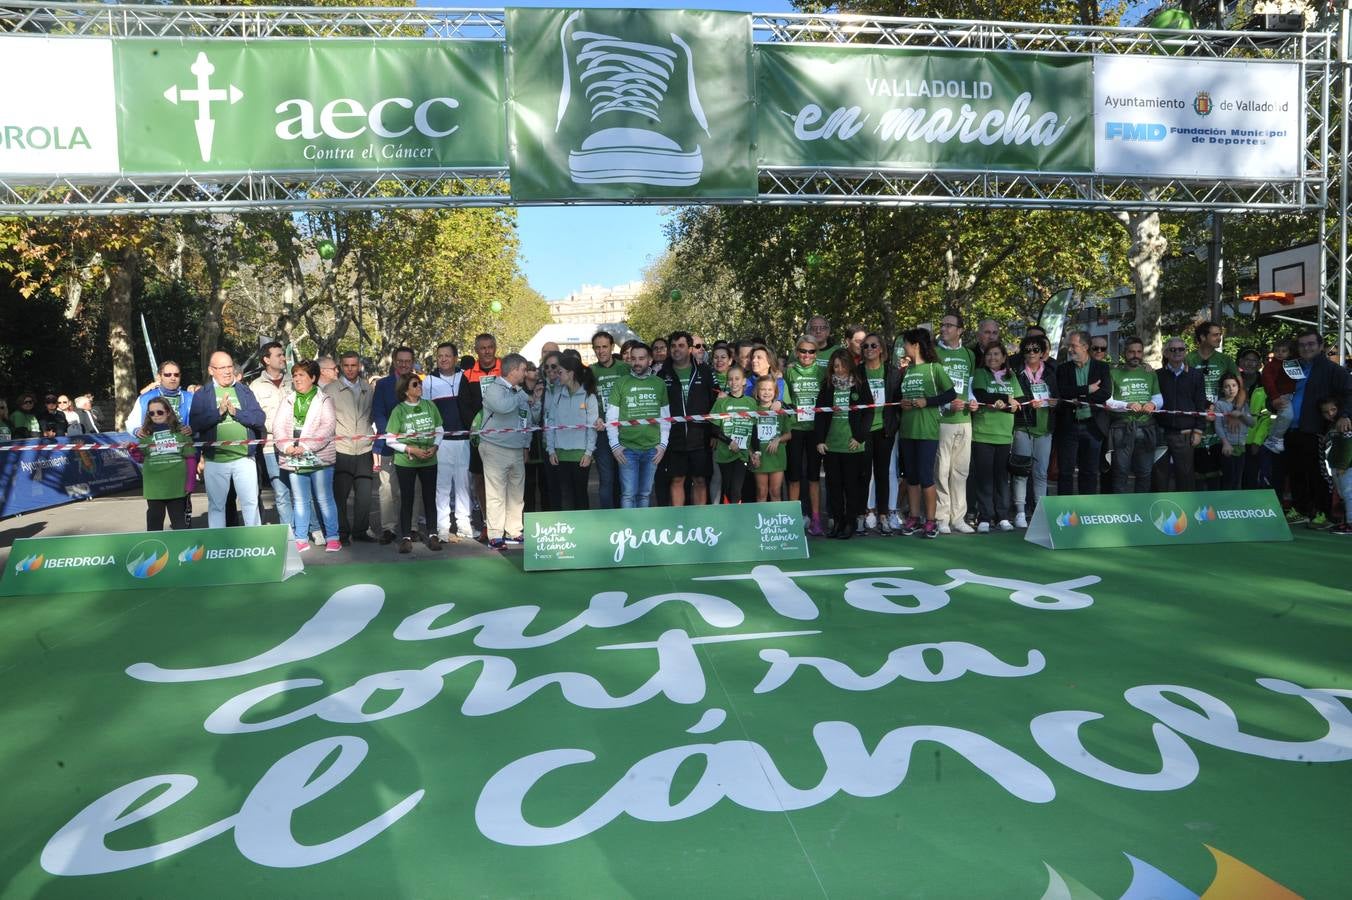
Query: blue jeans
[607, 470]
[313, 487]
[281, 494]
[243, 472]
[636, 477]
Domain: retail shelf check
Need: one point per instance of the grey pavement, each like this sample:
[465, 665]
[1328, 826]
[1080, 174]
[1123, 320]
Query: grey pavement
[127, 511]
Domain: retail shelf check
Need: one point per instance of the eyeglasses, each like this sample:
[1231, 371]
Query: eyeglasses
[948, 324]
[871, 346]
[171, 374]
[1175, 349]
[552, 367]
[158, 413]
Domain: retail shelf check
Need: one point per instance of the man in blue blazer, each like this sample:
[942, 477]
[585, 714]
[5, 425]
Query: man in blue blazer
[226, 410]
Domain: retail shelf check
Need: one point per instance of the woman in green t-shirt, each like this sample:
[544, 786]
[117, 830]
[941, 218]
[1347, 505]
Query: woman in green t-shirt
[802, 383]
[883, 380]
[1001, 394]
[768, 453]
[1031, 450]
[164, 446]
[733, 436]
[924, 388]
[841, 438]
[415, 455]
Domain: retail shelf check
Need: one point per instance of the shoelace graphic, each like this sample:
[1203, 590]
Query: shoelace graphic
[624, 76]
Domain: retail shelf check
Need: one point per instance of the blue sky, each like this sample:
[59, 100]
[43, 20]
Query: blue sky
[559, 246]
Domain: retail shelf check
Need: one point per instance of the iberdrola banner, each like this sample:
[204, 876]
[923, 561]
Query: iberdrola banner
[1139, 520]
[216, 106]
[192, 558]
[630, 103]
[607, 538]
[922, 109]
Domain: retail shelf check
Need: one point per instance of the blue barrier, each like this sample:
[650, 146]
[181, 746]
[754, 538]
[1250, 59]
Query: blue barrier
[38, 479]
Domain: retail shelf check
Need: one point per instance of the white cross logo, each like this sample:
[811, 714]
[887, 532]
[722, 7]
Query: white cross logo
[203, 95]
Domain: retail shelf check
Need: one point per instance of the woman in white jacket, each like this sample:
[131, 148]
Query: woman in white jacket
[570, 449]
[303, 433]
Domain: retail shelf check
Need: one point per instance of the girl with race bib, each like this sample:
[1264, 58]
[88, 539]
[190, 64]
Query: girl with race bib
[1001, 394]
[165, 446]
[733, 435]
[415, 455]
[768, 452]
[841, 439]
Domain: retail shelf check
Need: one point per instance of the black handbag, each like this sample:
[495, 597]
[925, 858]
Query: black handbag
[1020, 465]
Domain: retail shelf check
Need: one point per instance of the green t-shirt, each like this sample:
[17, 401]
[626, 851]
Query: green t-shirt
[606, 378]
[959, 364]
[1137, 385]
[924, 380]
[1212, 370]
[424, 417]
[839, 437]
[22, 421]
[803, 383]
[877, 385]
[721, 379]
[994, 426]
[639, 398]
[767, 429]
[823, 360]
[734, 428]
[230, 429]
[164, 473]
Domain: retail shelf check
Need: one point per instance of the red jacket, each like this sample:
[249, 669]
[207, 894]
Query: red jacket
[1275, 380]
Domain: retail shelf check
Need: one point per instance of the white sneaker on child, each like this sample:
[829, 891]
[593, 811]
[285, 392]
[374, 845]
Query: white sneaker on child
[1020, 520]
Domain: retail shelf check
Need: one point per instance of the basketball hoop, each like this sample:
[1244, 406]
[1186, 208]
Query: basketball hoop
[1285, 298]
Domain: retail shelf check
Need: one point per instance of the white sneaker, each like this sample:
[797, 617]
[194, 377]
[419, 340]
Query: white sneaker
[894, 520]
[1020, 521]
[444, 537]
[871, 521]
[961, 527]
[944, 528]
[1004, 525]
[982, 528]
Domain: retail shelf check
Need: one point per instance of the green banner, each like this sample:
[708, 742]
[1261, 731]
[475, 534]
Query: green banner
[871, 106]
[215, 106]
[630, 103]
[149, 559]
[1138, 520]
[606, 538]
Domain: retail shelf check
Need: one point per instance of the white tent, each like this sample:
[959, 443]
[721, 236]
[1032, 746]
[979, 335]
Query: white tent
[576, 335]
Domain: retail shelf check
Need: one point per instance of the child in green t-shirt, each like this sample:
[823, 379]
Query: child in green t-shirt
[769, 456]
[998, 389]
[733, 452]
[164, 445]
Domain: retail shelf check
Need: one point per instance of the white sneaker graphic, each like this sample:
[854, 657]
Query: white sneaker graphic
[627, 81]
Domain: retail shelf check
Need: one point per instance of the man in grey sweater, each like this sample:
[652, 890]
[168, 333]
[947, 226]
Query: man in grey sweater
[506, 406]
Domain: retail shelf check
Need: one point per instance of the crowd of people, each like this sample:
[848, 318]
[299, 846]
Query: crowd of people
[928, 437]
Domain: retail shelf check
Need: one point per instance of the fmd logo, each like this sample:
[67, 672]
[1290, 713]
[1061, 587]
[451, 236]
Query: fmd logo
[1145, 132]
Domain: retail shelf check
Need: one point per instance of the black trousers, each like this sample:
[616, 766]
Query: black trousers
[734, 480]
[1309, 491]
[1180, 453]
[846, 484]
[352, 475]
[1133, 454]
[157, 509]
[1077, 444]
[568, 485]
[879, 452]
[409, 477]
[990, 474]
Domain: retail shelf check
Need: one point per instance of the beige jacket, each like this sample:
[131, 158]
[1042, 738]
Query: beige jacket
[352, 415]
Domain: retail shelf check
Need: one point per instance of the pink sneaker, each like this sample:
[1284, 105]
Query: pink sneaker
[333, 546]
[814, 526]
[302, 546]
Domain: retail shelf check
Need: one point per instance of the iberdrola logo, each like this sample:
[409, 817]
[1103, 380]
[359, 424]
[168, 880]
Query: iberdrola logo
[626, 83]
[192, 554]
[29, 564]
[1205, 513]
[1233, 879]
[147, 559]
[1068, 519]
[1169, 517]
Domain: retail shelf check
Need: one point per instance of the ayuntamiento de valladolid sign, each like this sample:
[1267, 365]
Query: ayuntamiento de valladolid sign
[609, 103]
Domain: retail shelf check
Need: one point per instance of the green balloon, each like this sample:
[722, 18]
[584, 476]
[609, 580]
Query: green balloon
[1174, 19]
[676, 296]
[496, 306]
[327, 250]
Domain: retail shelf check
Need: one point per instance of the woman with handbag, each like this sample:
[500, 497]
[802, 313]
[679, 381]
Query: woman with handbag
[1031, 450]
